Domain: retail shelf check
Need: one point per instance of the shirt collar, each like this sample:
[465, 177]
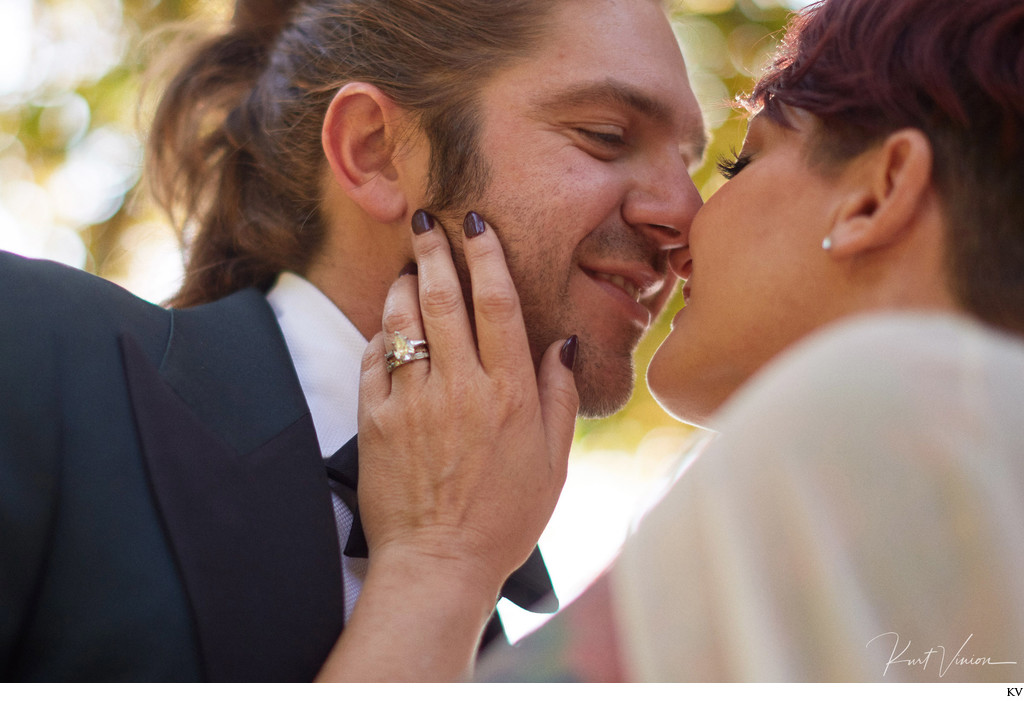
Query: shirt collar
[326, 349]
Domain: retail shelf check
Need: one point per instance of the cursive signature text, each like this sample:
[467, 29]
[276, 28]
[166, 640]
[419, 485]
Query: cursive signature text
[960, 658]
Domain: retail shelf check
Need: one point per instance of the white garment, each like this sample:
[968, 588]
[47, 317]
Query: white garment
[327, 351]
[863, 505]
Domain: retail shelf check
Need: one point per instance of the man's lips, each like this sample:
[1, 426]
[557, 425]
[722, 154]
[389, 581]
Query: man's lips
[638, 286]
[627, 286]
[635, 293]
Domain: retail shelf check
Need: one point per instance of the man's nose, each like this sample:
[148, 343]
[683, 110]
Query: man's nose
[663, 203]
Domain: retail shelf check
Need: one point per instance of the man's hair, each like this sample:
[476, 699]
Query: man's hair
[235, 153]
[954, 70]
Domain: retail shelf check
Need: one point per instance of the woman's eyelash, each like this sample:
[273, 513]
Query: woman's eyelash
[730, 166]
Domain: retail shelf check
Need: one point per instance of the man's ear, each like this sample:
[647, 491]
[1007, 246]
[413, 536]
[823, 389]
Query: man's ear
[359, 138]
[886, 188]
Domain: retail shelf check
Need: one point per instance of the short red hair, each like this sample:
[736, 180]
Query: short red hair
[954, 70]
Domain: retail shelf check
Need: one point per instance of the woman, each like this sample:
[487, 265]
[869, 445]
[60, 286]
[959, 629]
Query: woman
[855, 300]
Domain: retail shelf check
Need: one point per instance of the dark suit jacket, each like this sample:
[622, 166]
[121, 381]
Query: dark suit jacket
[164, 511]
[164, 508]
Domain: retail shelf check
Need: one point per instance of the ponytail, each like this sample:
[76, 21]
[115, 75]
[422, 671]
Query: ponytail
[204, 163]
[262, 18]
[235, 155]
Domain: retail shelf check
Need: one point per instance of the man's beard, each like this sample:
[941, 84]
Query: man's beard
[604, 388]
[604, 381]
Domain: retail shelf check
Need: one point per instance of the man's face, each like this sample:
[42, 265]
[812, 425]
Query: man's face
[587, 144]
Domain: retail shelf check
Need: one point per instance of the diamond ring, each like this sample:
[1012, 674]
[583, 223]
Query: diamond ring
[404, 351]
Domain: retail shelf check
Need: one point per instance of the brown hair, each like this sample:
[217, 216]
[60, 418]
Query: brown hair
[954, 70]
[235, 155]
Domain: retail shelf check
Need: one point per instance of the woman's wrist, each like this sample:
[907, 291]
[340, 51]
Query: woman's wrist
[419, 618]
[469, 578]
[454, 597]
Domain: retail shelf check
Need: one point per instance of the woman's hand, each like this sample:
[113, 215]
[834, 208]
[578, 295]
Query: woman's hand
[464, 454]
[462, 458]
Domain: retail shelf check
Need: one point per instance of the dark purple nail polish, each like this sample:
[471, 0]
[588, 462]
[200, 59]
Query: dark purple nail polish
[568, 353]
[473, 225]
[409, 269]
[422, 222]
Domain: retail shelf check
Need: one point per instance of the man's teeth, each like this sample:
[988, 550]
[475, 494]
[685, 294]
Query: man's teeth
[622, 283]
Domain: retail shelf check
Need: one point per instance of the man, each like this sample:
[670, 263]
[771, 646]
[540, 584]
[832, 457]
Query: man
[165, 509]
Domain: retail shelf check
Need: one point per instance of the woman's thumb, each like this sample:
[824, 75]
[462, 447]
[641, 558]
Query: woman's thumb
[559, 401]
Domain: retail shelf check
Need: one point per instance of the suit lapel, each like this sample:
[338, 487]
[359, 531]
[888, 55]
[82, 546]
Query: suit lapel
[235, 466]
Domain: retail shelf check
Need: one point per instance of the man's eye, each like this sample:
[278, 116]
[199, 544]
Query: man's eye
[730, 166]
[604, 138]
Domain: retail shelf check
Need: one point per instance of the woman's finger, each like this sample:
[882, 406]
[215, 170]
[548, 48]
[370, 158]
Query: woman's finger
[406, 348]
[443, 307]
[559, 400]
[501, 333]
[374, 381]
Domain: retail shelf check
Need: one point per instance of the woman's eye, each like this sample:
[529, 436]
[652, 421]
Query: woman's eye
[730, 166]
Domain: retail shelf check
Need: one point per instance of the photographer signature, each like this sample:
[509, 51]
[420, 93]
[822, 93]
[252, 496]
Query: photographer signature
[959, 658]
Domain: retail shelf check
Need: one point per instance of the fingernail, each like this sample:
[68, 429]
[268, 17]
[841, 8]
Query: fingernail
[473, 225]
[409, 269]
[568, 354]
[422, 222]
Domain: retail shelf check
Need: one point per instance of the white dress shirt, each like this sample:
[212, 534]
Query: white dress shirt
[327, 351]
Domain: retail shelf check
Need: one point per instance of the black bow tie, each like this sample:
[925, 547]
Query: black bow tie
[343, 471]
[529, 587]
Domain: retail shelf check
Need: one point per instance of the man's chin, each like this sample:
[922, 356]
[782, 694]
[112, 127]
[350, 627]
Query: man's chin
[605, 378]
[602, 397]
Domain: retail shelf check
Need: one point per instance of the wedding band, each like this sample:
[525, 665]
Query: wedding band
[404, 351]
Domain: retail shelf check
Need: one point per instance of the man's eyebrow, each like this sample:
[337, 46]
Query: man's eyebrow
[629, 97]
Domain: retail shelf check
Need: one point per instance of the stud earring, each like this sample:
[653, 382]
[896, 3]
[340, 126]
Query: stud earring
[827, 243]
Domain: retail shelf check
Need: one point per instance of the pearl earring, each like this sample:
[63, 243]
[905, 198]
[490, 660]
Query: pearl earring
[827, 243]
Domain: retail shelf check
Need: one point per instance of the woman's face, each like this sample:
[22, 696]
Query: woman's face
[759, 278]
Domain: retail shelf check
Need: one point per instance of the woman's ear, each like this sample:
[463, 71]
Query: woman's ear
[887, 187]
[360, 141]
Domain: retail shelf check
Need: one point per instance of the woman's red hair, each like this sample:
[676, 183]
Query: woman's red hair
[954, 70]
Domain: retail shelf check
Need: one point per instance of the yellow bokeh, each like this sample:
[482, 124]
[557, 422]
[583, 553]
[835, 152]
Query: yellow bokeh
[708, 7]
